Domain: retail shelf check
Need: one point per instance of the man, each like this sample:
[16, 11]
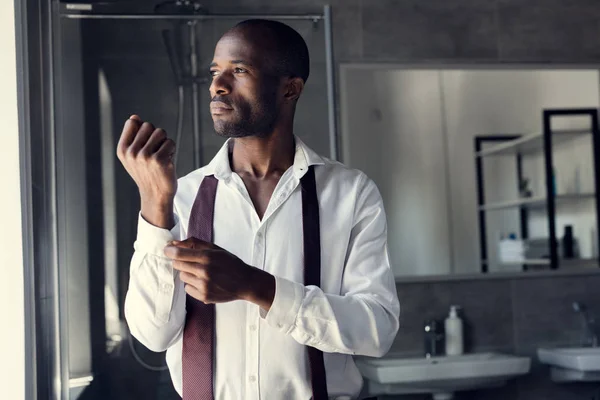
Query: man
[273, 334]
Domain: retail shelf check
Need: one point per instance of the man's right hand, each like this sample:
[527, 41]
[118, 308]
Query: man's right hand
[147, 155]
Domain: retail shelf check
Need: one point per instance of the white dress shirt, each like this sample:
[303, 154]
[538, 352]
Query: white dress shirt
[259, 354]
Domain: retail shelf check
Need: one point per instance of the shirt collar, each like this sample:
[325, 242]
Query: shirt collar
[305, 157]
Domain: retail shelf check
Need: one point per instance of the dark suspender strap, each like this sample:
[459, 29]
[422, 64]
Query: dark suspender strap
[312, 271]
[197, 354]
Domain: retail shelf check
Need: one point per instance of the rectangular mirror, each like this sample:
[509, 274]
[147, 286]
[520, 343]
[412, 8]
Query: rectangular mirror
[472, 179]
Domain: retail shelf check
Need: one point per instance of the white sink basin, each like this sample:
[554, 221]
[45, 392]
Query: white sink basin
[572, 363]
[440, 376]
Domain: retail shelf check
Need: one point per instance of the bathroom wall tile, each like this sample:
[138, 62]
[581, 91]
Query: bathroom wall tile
[543, 309]
[418, 302]
[413, 30]
[274, 6]
[549, 30]
[347, 31]
[484, 330]
[346, 20]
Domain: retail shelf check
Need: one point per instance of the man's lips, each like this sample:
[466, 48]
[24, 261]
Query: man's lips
[218, 107]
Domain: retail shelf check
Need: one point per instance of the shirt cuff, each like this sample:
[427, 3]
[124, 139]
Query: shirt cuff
[286, 305]
[152, 239]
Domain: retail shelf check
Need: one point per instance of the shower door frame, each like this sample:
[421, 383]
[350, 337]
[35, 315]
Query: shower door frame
[55, 381]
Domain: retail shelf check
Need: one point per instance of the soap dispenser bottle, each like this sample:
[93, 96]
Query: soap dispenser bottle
[454, 332]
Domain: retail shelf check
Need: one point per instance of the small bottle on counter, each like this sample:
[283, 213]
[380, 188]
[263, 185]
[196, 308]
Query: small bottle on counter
[454, 332]
[568, 243]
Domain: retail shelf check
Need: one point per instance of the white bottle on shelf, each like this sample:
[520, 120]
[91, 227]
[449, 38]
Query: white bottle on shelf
[454, 332]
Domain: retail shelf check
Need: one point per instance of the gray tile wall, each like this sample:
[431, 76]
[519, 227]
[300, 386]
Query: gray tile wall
[507, 315]
[429, 30]
[457, 31]
[432, 300]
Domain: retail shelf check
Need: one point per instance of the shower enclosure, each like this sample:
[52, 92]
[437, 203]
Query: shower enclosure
[107, 61]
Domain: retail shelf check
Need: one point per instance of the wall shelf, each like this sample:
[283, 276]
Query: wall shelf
[530, 143]
[536, 202]
[569, 263]
[531, 261]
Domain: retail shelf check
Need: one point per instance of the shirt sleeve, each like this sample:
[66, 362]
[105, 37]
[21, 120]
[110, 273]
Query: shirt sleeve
[155, 300]
[363, 320]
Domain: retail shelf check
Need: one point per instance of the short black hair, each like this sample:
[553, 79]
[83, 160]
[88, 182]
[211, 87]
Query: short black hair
[291, 50]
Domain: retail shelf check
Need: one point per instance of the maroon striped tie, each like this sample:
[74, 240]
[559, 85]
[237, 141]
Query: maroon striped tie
[198, 334]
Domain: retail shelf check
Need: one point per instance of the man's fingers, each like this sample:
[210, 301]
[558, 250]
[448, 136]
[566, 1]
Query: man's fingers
[193, 243]
[156, 139]
[166, 151]
[141, 137]
[128, 135]
[194, 280]
[187, 268]
[200, 256]
[195, 293]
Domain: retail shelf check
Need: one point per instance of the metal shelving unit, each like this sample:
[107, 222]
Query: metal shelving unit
[536, 202]
[521, 145]
[546, 262]
[531, 143]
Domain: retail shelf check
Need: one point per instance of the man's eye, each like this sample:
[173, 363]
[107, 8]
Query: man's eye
[212, 73]
[239, 70]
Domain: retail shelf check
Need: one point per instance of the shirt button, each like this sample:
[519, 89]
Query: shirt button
[259, 235]
[252, 378]
[253, 327]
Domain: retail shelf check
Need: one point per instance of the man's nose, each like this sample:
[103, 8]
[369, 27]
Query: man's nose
[220, 85]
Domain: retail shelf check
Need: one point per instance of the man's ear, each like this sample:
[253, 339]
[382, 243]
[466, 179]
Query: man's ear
[294, 88]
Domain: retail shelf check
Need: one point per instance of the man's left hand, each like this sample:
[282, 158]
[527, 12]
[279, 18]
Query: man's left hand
[214, 275]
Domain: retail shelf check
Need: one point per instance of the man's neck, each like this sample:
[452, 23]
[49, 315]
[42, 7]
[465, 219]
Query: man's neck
[261, 158]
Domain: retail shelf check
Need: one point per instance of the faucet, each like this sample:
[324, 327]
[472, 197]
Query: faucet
[590, 330]
[433, 338]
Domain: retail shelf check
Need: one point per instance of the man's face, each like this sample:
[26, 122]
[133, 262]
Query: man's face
[243, 91]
